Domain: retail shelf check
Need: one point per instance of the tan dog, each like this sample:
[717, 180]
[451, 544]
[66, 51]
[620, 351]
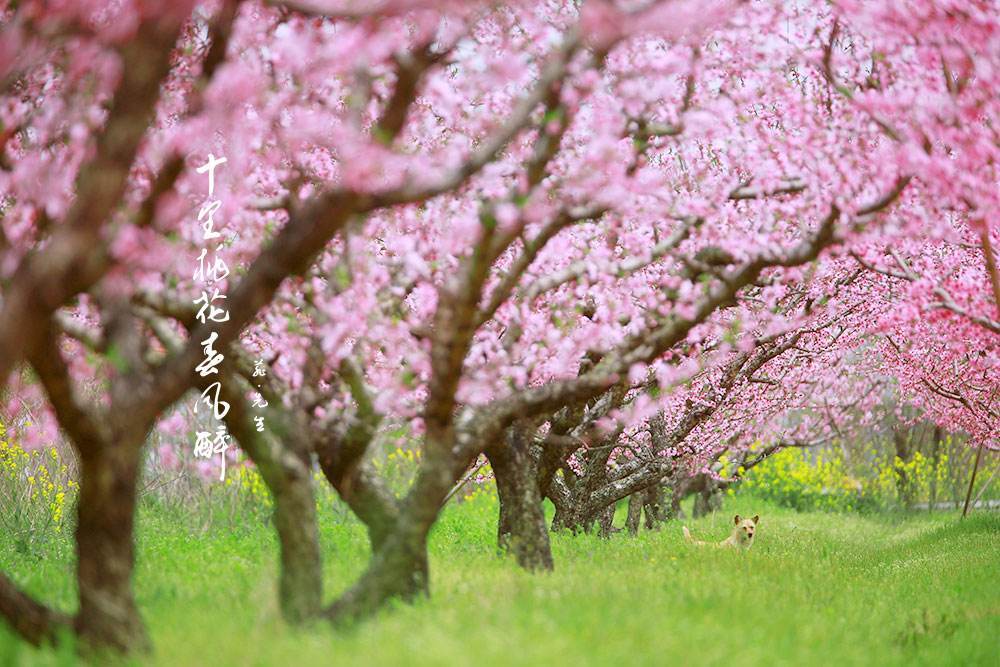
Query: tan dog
[742, 535]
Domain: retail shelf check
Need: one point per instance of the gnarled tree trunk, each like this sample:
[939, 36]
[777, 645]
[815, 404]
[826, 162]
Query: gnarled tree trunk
[573, 517]
[635, 504]
[655, 506]
[606, 520]
[521, 528]
[105, 549]
[364, 493]
[707, 498]
[300, 585]
[398, 569]
[647, 502]
[282, 458]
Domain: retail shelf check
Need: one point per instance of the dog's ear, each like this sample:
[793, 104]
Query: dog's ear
[756, 519]
[736, 519]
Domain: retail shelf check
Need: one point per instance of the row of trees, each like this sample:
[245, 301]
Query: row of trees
[600, 246]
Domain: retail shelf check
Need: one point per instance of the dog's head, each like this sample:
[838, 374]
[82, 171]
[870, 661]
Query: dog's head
[745, 529]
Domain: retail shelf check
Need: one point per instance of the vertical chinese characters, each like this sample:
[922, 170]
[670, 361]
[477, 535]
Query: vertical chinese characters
[209, 274]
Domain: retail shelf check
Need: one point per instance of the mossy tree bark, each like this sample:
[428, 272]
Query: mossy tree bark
[521, 528]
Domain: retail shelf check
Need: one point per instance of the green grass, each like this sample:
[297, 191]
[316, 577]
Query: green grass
[824, 589]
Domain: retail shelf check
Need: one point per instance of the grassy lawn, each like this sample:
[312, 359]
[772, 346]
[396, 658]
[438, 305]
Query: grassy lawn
[823, 589]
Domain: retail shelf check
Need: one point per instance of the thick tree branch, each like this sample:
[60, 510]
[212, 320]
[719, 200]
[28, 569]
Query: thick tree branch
[30, 619]
[308, 231]
[76, 257]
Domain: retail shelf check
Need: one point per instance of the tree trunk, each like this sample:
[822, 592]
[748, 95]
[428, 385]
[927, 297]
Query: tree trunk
[562, 496]
[935, 465]
[972, 480]
[565, 519]
[904, 454]
[521, 528]
[105, 549]
[605, 497]
[606, 520]
[399, 568]
[398, 571]
[701, 506]
[283, 460]
[707, 498]
[300, 586]
[653, 505]
[364, 493]
[635, 503]
[676, 496]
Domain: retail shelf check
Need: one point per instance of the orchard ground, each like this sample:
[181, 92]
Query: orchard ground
[817, 588]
